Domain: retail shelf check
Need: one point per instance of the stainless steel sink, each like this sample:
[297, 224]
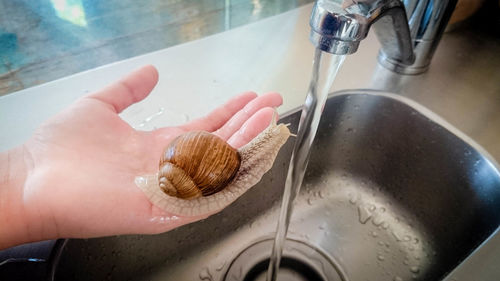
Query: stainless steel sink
[392, 192]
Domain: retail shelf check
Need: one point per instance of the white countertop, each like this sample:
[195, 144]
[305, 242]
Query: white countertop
[271, 55]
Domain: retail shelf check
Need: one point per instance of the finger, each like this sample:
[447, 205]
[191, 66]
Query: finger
[131, 89]
[235, 123]
[252, 127]
[215, 119]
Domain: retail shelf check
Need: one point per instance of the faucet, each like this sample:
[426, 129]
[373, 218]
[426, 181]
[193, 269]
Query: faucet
[408, 44]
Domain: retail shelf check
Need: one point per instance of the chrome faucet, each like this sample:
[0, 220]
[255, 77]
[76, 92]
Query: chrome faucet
[408, 44]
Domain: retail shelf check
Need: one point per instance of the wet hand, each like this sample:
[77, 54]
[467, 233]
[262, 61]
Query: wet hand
[81, 164]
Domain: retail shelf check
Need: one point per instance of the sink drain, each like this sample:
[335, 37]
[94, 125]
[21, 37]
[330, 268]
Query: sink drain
[300, 262]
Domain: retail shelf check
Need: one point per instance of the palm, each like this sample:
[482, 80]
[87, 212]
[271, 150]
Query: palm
[86, 158]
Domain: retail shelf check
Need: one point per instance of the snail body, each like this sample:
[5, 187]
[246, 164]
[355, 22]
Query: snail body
[194, 199]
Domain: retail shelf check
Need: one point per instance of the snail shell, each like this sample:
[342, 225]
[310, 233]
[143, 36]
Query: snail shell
[197, 164]
[256, 158]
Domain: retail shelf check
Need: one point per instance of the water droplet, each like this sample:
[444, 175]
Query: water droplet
[385, 225]
[322, 226]
[380, 257]
[397, 278]
[382, 210]
[364, 214]
[352, 199]
[310, 201]
[406, 262]
[205, 274]
[321, 194]
[140, 181]
[415, 241]
[162, 220]
[381, 243]
[221, 266]
[398, 238]
[414, 269]
[374, 234]
[149, 118]
[377, 220]
[372, 208]
[407, 238]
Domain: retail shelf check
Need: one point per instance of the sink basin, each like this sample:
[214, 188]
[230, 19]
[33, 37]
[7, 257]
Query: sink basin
[392, 192]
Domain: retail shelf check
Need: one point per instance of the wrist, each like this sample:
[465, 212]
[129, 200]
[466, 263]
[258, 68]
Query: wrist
[14, 169]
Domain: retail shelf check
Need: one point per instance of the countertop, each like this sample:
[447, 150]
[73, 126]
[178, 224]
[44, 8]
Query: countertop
[41, 41]
[274, 54]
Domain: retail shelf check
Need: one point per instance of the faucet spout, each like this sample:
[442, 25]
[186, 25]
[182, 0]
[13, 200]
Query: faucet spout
[339, 27]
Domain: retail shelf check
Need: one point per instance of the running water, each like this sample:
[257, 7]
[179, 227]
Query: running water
[325, 68]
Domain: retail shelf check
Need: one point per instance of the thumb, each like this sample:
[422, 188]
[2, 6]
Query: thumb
[131, 89]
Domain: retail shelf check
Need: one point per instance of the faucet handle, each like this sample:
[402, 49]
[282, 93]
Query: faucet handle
[427, 21]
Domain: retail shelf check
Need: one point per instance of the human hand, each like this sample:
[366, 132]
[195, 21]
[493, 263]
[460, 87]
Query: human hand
[81, 164]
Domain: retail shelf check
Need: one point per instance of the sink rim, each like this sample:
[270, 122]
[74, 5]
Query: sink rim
[431, 115]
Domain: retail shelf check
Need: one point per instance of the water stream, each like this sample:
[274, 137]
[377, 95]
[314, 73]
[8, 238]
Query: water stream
[325, 68]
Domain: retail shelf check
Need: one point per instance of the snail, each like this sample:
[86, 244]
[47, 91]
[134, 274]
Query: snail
[200, 174]
[197, 164]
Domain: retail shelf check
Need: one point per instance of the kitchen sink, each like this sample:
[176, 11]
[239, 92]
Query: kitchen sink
[392, 192]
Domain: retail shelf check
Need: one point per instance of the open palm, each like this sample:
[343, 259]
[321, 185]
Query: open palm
[82, 162]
